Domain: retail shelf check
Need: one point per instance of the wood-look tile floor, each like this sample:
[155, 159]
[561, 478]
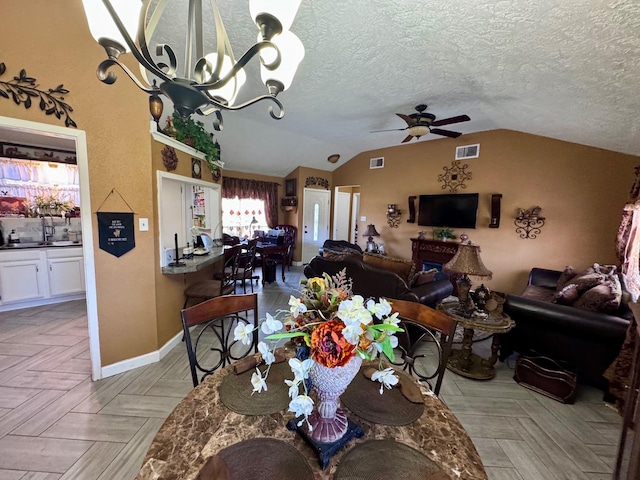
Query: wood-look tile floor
[55, 423]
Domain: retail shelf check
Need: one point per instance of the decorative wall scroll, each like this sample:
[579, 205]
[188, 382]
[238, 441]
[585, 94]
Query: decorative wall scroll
[455, 176]
[169, 158]
[23, 90]
[116, 232]
[322, 182]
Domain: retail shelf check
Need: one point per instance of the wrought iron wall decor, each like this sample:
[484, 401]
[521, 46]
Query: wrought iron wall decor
[169, 158]
[529, 222]
[322, 182]
[24, 90]
[393, 215]
[455, 176]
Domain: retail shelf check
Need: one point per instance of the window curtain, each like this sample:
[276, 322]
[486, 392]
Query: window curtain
[254, 189]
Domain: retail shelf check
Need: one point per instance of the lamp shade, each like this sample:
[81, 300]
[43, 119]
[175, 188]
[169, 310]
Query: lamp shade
[101, 24]
[227, 93]
[467, 261]
[291, 54]
[371, 231]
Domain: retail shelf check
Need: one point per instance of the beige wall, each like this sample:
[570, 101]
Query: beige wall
[51, 41]
[581, 191]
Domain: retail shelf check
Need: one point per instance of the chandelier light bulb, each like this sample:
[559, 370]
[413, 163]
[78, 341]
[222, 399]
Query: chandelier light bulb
[101, 25]
[291, 54]
[227, 93]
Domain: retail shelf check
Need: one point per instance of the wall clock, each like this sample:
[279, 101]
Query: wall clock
[196, 168]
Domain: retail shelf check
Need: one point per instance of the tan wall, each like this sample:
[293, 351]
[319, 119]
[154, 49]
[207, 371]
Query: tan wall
[581, 191]
[170, 288]
[51, 41]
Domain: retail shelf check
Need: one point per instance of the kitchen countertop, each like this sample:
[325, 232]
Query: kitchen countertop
[196, 263]
[55, 244]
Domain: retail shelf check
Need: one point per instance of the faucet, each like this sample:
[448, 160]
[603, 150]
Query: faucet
[47, 230]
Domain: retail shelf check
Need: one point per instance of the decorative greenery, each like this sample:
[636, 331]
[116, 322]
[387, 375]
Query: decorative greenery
[22, 89]
[443, 233]
[48, 205]
[191, 132]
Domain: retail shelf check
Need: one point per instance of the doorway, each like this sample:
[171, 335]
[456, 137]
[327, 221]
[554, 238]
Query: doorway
[315, 221]
[43, 134]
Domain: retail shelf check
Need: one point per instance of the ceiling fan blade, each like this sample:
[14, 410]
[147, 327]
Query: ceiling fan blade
[409, 137]
[391, 130]
[410, 121]
[449, 121]
[446, 133]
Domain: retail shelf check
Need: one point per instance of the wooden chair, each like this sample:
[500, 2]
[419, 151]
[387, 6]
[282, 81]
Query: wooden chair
[290, 233]
[247, 264]
[214, 346]
[423, 324]
[222, 283]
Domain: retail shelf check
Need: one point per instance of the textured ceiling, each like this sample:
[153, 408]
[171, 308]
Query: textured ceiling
[563, 69]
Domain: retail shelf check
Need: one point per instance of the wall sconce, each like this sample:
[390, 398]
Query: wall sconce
[393, 215]
[529, 222]
[288, 203]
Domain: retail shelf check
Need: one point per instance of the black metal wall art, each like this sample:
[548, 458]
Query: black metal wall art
[455, 176]
[24, 90]
[323, 182]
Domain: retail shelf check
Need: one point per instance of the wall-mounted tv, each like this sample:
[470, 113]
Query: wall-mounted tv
[455, 210]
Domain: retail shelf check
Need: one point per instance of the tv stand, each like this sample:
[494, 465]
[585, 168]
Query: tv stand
[435, 251]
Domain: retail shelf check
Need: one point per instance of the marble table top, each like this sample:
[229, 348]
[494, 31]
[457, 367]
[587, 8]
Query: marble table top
[200, 426]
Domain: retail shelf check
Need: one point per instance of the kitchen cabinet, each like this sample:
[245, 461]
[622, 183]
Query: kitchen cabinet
[66, 271]
[21, 280]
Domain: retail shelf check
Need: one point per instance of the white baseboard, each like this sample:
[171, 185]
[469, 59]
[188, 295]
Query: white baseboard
[40, 302]
[142, 360]
[297, 264]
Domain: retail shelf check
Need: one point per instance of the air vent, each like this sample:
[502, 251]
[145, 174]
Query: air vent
[468, 151]
[376, 162]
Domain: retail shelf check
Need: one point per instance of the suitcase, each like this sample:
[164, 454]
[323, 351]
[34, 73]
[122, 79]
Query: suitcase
[546, 376]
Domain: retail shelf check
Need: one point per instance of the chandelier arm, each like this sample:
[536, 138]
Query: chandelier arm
[276, 116]
[142, 57]
[173, 62]
[109, 78]
[242, 61]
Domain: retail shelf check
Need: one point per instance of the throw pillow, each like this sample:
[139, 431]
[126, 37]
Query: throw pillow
[567, 274]
[403, 268]
[338, 256]
[597, 299]
[426, 276]
[587, 281]
[567, 296]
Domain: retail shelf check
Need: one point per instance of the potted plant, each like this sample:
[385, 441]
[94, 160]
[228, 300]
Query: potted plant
[443, 234]
[191, 132]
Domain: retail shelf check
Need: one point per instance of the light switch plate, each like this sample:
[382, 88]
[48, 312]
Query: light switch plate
[363, 219]
[143, 224]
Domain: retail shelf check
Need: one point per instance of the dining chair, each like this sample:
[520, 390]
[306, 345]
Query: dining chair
[222, 283]
[423, 327]
[214, 346]
[247, 264]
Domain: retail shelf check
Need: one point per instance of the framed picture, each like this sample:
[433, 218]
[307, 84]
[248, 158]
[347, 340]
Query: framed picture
[290, 187]
[196, 168]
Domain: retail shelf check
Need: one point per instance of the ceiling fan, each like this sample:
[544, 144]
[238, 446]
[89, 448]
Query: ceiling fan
[421, 123]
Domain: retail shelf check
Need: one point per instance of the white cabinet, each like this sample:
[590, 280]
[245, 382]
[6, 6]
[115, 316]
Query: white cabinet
[21, 280]
[66, 271]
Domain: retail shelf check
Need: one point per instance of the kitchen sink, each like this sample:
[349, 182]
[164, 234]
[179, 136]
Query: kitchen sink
[62, 243]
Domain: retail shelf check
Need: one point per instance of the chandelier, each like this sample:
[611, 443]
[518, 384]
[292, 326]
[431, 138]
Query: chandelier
[211, 81]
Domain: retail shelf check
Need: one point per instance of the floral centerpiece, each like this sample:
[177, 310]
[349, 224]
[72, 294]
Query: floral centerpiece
[337, 330]
[49, 205]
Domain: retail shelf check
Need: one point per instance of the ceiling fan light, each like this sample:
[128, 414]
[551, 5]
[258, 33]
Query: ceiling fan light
[418, 130]
[291, 53]
[228, 92]
[102, 25]
[283, 10]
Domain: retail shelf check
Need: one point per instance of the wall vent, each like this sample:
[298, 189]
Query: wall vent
[376, 162]
[468, 151]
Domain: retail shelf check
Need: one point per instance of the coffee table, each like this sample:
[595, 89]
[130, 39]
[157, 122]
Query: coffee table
[463, 361]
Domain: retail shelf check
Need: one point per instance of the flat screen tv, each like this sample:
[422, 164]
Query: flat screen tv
[455, 210]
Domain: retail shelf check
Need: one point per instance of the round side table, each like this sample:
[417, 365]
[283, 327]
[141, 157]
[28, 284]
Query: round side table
[466, 363]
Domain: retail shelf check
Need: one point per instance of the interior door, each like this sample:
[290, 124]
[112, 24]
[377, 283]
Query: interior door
[341, 216]
[315, 221]
[355, 213]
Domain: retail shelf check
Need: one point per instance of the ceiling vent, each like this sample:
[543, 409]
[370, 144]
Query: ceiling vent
[468, 151]
[376, 163]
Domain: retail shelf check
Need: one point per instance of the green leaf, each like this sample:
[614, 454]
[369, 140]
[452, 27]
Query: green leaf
[387, 349]
[276, 336]
[386, 326]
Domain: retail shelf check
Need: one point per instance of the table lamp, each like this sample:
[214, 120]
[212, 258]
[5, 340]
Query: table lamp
[467, 262]
[371, 232]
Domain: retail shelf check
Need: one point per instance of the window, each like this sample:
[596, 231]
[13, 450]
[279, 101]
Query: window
[238, 216]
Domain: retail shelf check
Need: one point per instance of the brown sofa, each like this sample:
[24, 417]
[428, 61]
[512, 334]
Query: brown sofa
[588, 341]
[372, 281]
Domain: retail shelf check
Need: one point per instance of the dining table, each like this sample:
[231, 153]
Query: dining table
[211, 421]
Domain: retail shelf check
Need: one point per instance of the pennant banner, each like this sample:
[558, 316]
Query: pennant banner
[116, 232]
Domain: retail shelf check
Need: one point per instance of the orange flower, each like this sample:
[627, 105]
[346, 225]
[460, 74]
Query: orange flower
[329, 347]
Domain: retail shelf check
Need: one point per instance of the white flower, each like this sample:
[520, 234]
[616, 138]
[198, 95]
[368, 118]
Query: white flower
[293, 387]
[301, 405]
[392, 320]
[258, 382]
[385, 377]
[353, 311]
[271, 325]
[243, 333]
[300, 369]
[381, 309]
[352, 332]
[297, 307]
[267, 355]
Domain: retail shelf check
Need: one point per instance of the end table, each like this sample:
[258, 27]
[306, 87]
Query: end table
[466, 363]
